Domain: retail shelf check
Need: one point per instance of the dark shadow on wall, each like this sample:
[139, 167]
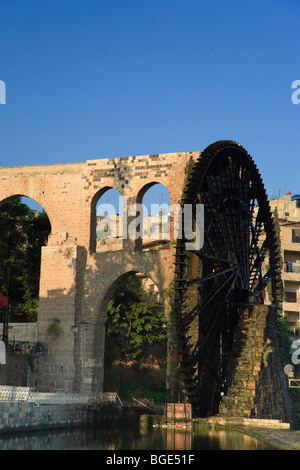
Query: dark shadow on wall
[135, 339]
[102, 280]
[72, 320]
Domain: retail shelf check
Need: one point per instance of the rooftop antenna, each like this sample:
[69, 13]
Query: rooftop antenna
[161, 203]
[106, 202]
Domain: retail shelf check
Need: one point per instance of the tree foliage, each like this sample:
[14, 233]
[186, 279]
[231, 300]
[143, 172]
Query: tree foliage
[22, 233]
[135, 321]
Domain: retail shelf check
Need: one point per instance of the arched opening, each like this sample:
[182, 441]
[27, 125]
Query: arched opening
[155, 216]
[135, 340]
[107, 220]
[24, 229]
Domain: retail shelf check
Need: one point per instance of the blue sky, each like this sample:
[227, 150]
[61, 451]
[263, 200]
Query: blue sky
[88, 79]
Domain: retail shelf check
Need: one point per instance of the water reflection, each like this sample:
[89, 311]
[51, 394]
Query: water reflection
[134, 438]
[199, 438]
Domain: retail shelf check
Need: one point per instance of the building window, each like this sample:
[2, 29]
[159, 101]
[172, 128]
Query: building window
[295, 235]
[291, 297]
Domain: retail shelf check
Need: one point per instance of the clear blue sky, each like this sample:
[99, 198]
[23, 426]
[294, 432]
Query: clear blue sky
[88, 79]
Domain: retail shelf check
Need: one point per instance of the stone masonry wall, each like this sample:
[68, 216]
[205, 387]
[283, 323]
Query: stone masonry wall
[245, 362]
[21, 416]
[255, 386]
[19, 370]
[273, 397]
[76, 282]
[20, 332]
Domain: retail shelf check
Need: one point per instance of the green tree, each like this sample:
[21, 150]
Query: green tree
[116, 341]
[22, 233]
[134, 319]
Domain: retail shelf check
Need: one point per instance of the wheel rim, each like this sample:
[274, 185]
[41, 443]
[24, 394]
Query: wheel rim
[228, 270]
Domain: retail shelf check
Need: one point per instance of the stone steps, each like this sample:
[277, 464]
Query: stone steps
[236, 420]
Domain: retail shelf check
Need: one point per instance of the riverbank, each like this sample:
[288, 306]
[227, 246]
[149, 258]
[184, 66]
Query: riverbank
[45, 413]
[282, 439]
[272, 432]
[132, 434]
[31, 417]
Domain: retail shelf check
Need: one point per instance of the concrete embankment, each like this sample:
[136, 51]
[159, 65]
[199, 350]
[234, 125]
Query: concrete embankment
[282, 439]
[23, 409]
[18, 416]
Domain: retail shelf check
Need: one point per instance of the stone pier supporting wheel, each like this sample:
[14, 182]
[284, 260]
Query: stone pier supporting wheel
[238, 259]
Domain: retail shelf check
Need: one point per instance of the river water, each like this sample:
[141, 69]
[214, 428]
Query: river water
[133, 437]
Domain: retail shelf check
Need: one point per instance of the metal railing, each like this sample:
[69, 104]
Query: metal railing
[26, 394]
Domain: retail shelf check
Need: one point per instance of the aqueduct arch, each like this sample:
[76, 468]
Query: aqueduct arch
[31, 197]
[94, 206]
[76, 279]
[100, 326]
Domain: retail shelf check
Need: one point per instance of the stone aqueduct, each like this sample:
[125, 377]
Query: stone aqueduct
[76, 281]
